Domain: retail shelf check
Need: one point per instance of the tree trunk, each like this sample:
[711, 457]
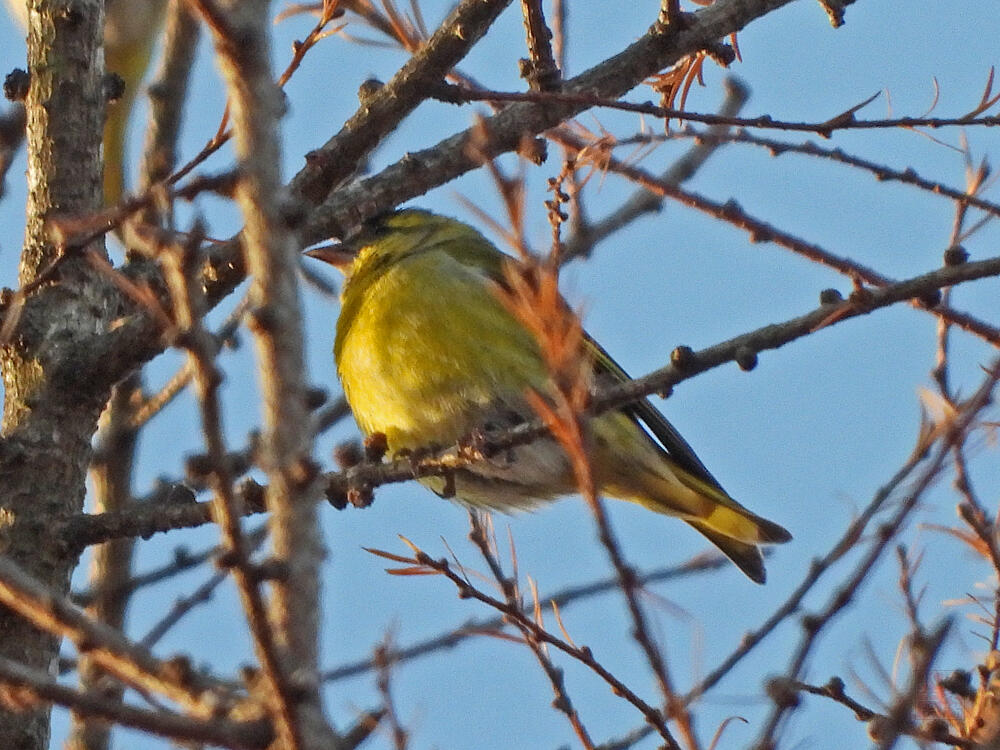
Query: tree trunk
[50, 409]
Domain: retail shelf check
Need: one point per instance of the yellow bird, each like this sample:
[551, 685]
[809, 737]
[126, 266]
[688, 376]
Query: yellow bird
[427, 351]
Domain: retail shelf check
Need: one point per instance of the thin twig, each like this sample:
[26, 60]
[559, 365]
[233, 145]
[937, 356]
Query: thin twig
[400, 737]
[701, 564]
[167, 94]
[814, 624]
[840, 121]
[761, 231]
[180, 264]
[516, 615]
[540, 69]
[111, 564]
[185, 604]
[880, 171]
[645, 201]
[508, 586]
[157, 402]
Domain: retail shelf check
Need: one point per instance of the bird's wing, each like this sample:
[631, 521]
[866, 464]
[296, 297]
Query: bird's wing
[485, 257]
[680, 452]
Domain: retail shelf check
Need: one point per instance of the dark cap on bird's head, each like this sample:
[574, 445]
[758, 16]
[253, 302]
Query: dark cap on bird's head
[342, 255]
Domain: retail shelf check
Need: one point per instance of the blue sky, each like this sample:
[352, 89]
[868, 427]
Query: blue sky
[804, 439]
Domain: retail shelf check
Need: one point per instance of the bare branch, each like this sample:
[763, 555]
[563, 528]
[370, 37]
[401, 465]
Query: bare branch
[419, 171]
[643, 201]
[241, 39]
[701, 564]
[107, 648]
[814, 624]
[33, 686]
[111, 566]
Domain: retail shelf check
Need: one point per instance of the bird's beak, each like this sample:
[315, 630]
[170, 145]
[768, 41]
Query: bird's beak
[336, 255]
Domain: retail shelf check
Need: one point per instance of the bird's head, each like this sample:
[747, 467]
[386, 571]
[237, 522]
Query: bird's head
[390, 238]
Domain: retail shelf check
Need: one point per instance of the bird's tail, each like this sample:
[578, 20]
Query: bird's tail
[727, 517]
[746, 556]
[735, 530]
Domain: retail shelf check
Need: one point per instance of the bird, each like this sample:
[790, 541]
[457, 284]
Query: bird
[427, 352]
[130, 31]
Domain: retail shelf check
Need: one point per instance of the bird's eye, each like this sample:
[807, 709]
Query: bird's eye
[370, 232]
